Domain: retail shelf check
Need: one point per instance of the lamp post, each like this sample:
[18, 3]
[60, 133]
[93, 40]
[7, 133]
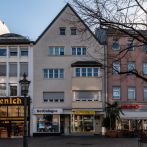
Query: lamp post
[24, 83]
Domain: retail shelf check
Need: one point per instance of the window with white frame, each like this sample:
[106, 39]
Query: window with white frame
[78, 51]
[130, 45]
[131, 66]
[53, 73]
[131, 93]
[3, 52]
[2, 89]
[56, 51]
[53, 96]
[145, 93]
[87, 95]
[116, 92]
[23, 68]
[87, 72]
[2, 69]
[13, 89]
[23, 51]
[12, 69]
[145, 68]
[13, 52]
[115, 45]
[116, 67]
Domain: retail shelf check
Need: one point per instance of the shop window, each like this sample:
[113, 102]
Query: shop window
[2, 69]
[23, 68]
[2, 89]
[87, 96]
[3, 111]
[53, 96]
[131, 93]
[48, 123]
[13, 69]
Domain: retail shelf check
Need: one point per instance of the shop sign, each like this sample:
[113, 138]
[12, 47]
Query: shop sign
[47, 111]
[5, 101]
[130, 106]
[84, 112]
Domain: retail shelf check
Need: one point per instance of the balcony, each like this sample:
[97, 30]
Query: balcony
[87, 104]
[86, 83]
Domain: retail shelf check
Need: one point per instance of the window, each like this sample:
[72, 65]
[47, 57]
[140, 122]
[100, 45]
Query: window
[116, 92]
[53, 73]
[53, 96]
[3, 52]
[56, 51]
[87, 72]
[116, 67]
[13, 52]
[145, 93]
[62, 30]
[115, 45]
[131, 93]
[87, 96]
[23, 68]
[24, 51]
[2, 69]
[78, 51]
[13, 89]
[2, 89]
[145, 68]
[145, 47]
[73, 31]
[130, 45]
[13, 69]
[131, 66]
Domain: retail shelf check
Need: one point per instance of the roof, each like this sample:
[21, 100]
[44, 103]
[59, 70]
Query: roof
[67, 5]
[12, 38]
[86, 64]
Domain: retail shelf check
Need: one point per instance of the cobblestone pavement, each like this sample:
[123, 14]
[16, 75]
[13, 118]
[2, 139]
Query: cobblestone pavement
[71, 141]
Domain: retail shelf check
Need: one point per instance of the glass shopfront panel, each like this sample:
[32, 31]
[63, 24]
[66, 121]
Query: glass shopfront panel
[48, 123]
[83, 123]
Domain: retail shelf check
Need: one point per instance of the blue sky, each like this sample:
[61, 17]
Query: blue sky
[29, 17]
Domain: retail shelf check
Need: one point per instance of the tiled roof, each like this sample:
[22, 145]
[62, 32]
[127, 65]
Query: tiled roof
[11, 38]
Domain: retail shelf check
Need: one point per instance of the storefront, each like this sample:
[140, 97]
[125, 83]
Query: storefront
[134, 118]
[12, 116]
[86, 122]
[47, 121]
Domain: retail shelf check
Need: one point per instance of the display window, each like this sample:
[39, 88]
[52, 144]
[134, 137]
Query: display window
[48, 123]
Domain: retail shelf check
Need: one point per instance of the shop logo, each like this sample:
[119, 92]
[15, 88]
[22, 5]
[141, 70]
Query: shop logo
[11, 101]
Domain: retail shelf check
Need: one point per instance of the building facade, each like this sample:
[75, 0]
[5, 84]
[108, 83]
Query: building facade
[127, 89]
[68, 78]
[15, 59]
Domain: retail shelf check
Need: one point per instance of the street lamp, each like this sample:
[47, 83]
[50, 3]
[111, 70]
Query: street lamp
[24, 83]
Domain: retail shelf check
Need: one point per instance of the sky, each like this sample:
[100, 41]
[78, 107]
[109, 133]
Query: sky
[29, 17]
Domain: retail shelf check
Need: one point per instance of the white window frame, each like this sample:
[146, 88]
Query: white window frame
[54, 51]
[145, 93]
[115, 49]
[131, 65]
[116, 91]
[82, 53]
[145, 68]
[116, 67]
[132, 89]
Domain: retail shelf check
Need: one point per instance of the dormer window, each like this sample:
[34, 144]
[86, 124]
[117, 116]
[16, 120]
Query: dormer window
[62, 30]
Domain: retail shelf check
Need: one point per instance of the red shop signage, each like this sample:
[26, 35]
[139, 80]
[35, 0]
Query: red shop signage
[129, 106]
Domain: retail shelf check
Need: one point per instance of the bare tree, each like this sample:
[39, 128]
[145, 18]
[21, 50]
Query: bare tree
[121, 18]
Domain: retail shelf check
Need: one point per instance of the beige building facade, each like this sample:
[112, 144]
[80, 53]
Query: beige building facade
[68, 91]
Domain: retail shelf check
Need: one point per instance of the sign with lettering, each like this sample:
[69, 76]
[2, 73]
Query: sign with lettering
[47, 111]
[130, 106]
[6, 101]
[84, 112]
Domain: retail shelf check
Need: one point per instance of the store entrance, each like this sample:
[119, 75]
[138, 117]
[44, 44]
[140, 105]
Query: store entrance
[83, 123]
[11, 129]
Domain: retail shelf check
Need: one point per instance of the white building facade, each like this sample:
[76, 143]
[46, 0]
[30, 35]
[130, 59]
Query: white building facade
[68, 91]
